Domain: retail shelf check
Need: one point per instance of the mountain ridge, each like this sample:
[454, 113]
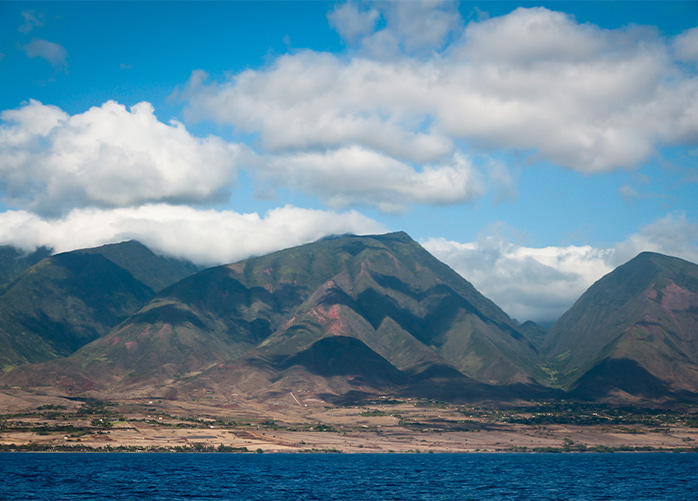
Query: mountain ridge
[386, 292]
[641, 317]
[364, 315]
[66, 300]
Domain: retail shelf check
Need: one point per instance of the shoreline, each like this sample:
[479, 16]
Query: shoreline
[119, 450]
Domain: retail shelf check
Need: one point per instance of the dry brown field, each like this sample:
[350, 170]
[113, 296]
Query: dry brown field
[299, 423]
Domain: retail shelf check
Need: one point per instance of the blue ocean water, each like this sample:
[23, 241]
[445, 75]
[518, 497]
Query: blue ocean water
[93, 476]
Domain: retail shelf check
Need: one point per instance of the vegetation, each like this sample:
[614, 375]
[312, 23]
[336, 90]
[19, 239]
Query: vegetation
[637, 316]
[93, 425]
[344, 319]
[56, 305]
[578, 413]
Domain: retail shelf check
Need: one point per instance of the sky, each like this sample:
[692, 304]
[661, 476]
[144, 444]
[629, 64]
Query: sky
[533, 147]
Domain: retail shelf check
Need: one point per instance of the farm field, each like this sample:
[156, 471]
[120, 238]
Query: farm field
[298, 424]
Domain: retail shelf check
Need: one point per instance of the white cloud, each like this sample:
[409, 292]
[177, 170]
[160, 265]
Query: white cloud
[541, 35]
[504, 183]
[31, 20]
[355, 176]
[673, 235]
[55, 54]
[534, 81]
[313, 100]
[631, 195]
[351, 22]
[108, 156]
[419, 27]
[206, 237]
[686, 46]
[542, 283]
[527, 283]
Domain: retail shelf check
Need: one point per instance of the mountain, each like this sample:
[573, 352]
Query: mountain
[340, 318]
[156, 272]
[65, 301]
[13, 261]
[534, 332]
[633, 334]
[341, 315]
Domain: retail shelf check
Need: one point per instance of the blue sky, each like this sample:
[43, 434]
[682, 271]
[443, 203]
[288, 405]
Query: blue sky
[531, 146]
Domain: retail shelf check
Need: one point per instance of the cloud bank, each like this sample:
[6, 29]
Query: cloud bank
[540, 284]
[206, 237]
[424, 83]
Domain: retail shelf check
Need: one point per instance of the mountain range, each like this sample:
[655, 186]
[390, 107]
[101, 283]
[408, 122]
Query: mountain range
[55, 305]
[341, 318]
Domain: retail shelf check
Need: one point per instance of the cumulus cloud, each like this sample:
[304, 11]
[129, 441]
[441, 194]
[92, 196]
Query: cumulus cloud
[534, 81]
[353, 176]
[55, 54]
[686, 46]
[351, 22]
[108, 156]
[418, 28]
[527, 283]
[206, 237]
[542, 283]
[316, 101]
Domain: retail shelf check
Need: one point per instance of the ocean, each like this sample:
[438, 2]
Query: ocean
[193, 476]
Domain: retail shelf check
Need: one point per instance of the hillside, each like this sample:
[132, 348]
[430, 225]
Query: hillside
[67, 300]
[340, 319]
[634, 333]
[393, 314]
[13, 262]
[156, 272]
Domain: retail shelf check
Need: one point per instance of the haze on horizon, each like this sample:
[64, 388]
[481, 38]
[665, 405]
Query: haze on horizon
[532, 147]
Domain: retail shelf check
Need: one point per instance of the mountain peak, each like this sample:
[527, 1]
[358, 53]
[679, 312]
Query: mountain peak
[157, 272]
[397, 235]
[646, 257]
[641, 318]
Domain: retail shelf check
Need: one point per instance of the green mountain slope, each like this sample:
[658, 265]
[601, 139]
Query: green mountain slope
[387, 311]
[13, 262]
[67, 300]
[157, 272]
[633, 333]
[533, 332]
[62, 303]
[340, 318]
[410, 309]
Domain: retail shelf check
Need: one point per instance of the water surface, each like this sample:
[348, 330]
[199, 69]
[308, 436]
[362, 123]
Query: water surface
[94, 476]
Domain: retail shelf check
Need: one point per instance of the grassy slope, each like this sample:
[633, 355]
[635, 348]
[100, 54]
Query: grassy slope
[643, 312]
[62, 303]
[65, 301]
[157, 272]
[404, 306]
[13, 262]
